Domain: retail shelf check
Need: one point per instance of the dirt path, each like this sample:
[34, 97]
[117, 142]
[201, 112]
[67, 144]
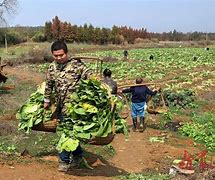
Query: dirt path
[139, 154]
[136, 154]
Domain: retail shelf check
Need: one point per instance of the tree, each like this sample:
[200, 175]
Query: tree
[48, 30]
[115, 35]
[98, 35]
[39, 37]
[90, 33]
[105, 35]
[7, 7]
[56, 28]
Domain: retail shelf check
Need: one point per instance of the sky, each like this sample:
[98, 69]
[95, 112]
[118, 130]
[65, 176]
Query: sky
[154, 15]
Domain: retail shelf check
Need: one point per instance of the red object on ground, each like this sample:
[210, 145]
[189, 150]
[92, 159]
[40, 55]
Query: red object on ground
[211, 165]
[187, 161]
[203, 164]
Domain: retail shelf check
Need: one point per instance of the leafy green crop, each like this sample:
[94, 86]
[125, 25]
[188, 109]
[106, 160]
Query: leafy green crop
[202, 129]
[181, 98]
[89, 114]
[166, 61]
[32, 112]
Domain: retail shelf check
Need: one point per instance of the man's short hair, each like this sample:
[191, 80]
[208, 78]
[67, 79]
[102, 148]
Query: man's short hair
[107, 72]
[57, 45]
[139, 80]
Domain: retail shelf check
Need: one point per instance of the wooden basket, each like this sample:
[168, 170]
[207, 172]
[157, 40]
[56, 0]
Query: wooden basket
[124, 113]
[48, 126]
[101, 140]
[161, 109]
[158, 110]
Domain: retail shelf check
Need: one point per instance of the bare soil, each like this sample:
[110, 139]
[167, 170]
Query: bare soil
[135, 155]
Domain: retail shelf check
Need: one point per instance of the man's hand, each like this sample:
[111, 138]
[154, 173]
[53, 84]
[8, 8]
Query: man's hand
[46, 105]
[158, 89]
[119, 91]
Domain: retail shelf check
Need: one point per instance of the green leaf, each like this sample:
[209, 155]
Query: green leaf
[38, 121]
[80, 111]
[67, 144]
[75, 97]
[83, 135]
[87, 127]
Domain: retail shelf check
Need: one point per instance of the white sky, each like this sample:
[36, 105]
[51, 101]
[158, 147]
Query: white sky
[154, 15]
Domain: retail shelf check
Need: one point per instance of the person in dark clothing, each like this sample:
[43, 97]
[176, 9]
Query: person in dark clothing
[138, 99]
[151, 57]
[3, 78]
[109, 81]
[125, 53]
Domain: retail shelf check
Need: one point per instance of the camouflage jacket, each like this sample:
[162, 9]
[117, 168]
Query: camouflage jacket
[62, 79]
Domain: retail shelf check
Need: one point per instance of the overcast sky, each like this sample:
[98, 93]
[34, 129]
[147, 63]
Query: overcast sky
[154, 15]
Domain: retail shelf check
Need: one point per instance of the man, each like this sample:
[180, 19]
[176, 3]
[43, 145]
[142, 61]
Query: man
[62, 79]
[138, 99]
[109, 81]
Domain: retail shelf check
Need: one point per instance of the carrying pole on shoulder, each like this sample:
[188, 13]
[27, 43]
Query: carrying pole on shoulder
[99, 62]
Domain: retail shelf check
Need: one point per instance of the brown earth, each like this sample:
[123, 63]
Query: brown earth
[135, 155]
[24, 74]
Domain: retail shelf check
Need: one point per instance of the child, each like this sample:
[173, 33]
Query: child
[138, 99]
[109, 81]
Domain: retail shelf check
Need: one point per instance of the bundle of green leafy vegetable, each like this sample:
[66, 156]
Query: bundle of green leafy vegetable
[32, 112]
[90, 113]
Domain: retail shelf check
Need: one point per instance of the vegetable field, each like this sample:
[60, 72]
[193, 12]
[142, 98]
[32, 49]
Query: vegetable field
[166, 62]
[187, 79]
[176, 70]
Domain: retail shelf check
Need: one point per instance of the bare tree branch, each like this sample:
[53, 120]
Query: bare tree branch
[7, 7]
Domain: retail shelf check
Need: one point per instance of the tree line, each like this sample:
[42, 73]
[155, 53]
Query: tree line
[56, 29]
